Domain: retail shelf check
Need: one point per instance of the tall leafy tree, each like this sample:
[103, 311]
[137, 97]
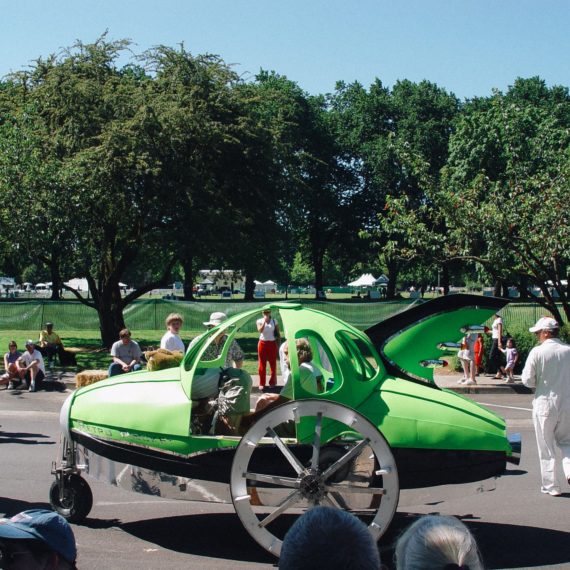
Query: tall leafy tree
[507, 183]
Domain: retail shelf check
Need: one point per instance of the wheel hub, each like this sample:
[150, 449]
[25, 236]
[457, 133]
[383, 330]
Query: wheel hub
[312, 486]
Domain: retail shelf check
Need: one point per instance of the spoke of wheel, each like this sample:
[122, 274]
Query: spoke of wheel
[285, 504]
[317, 441]
[329, 500]
[336, 488]
[339, 499]
[295, 463]
[345, 459]
[275, 479]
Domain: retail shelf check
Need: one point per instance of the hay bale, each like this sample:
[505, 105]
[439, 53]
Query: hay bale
[162, 358]
[88, 377]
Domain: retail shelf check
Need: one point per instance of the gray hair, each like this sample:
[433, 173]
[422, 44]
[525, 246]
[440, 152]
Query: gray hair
[329, 538]
[433, 542]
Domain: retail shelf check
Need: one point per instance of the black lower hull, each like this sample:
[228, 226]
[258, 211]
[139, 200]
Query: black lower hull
[417, 468]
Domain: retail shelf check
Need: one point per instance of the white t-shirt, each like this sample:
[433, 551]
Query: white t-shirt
[495, 327]
[27, 359]
[268, 333]
[172, 342]
[308, 378]
[285, 372]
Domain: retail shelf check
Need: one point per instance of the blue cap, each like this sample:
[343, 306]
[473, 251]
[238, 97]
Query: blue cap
[40, 524]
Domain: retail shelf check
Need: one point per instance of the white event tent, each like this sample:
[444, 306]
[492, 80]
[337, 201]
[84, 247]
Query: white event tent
[365, 280]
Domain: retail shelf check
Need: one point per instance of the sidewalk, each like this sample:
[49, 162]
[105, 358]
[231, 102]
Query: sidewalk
[485, 384]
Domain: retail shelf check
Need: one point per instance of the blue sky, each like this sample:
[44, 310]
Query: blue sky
[468, 47]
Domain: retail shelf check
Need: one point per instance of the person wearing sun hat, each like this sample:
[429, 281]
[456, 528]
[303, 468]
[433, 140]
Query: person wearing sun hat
[31, 365]
[37, 539]
[547, 369]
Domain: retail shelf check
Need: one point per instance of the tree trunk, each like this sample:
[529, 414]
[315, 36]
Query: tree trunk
[445, 279]
[523, 287]
[110, 311]
[393, 270]
[249, 286]
[318, 267]
[188, 268]
[55, 277]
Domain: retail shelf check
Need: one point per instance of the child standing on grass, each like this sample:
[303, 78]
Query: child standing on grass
[512, 359]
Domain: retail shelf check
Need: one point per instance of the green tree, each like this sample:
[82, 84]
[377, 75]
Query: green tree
[397, 142]
[97, 154]
[507, 183]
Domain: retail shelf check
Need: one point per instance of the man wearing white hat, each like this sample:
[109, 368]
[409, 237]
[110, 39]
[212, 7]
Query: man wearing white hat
[548, 370]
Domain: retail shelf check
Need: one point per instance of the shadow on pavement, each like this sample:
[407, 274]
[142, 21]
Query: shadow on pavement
[501, 545]
[24, 438]
[10, 507]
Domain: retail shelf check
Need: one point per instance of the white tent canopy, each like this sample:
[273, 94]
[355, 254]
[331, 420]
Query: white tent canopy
[78, 283]
[382, 280]
[266, 286]
[365, 280]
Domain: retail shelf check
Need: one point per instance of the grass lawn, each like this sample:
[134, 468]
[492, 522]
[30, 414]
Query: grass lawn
[93, 356]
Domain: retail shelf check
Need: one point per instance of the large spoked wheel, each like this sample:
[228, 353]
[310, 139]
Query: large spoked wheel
[76, 500]
[308, 453]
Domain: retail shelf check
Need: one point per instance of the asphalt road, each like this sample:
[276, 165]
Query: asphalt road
[515, 525]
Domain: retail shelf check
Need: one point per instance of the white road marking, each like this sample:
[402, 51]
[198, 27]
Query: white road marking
[28, 414]
[114, 503]
[506, 407]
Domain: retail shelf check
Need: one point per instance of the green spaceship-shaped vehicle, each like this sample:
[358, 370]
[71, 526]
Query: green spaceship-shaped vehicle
[377, 424]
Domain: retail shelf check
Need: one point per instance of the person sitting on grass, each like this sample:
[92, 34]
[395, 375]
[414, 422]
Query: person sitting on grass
[126, 355]
[49, 344]
[31, 367]
[11, 375]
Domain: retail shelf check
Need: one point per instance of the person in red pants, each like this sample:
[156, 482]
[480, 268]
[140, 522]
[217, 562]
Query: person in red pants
[267, 347]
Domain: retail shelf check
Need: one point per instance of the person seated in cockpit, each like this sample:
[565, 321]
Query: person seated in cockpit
[223, 390]
[310, 377]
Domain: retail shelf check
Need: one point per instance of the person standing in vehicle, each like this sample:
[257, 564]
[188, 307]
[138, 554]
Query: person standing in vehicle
[548, 369]
[267, 348]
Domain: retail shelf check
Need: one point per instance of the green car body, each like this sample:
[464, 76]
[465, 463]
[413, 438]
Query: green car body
[436, 436]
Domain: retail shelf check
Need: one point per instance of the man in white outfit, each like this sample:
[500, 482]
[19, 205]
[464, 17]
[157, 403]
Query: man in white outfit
[548, 369]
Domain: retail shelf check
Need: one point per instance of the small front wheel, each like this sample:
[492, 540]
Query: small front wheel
[76, 501]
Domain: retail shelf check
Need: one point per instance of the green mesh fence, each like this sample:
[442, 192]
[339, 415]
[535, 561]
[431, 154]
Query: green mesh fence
[150, 314]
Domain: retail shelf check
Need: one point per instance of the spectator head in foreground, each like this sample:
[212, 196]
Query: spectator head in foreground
[329, 538]
[436, 542]
[37, 539]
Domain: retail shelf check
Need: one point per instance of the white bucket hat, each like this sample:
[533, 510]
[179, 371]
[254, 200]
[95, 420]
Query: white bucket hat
[216, 319]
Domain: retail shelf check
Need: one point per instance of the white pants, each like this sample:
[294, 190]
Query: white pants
[552, 427]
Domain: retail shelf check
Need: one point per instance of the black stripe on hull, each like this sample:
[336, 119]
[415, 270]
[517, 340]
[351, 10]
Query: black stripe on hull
[417, 468]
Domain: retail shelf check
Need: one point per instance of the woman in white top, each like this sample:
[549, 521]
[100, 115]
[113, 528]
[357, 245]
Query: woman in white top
[495, 353]
[171, 339]
[267, 349]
